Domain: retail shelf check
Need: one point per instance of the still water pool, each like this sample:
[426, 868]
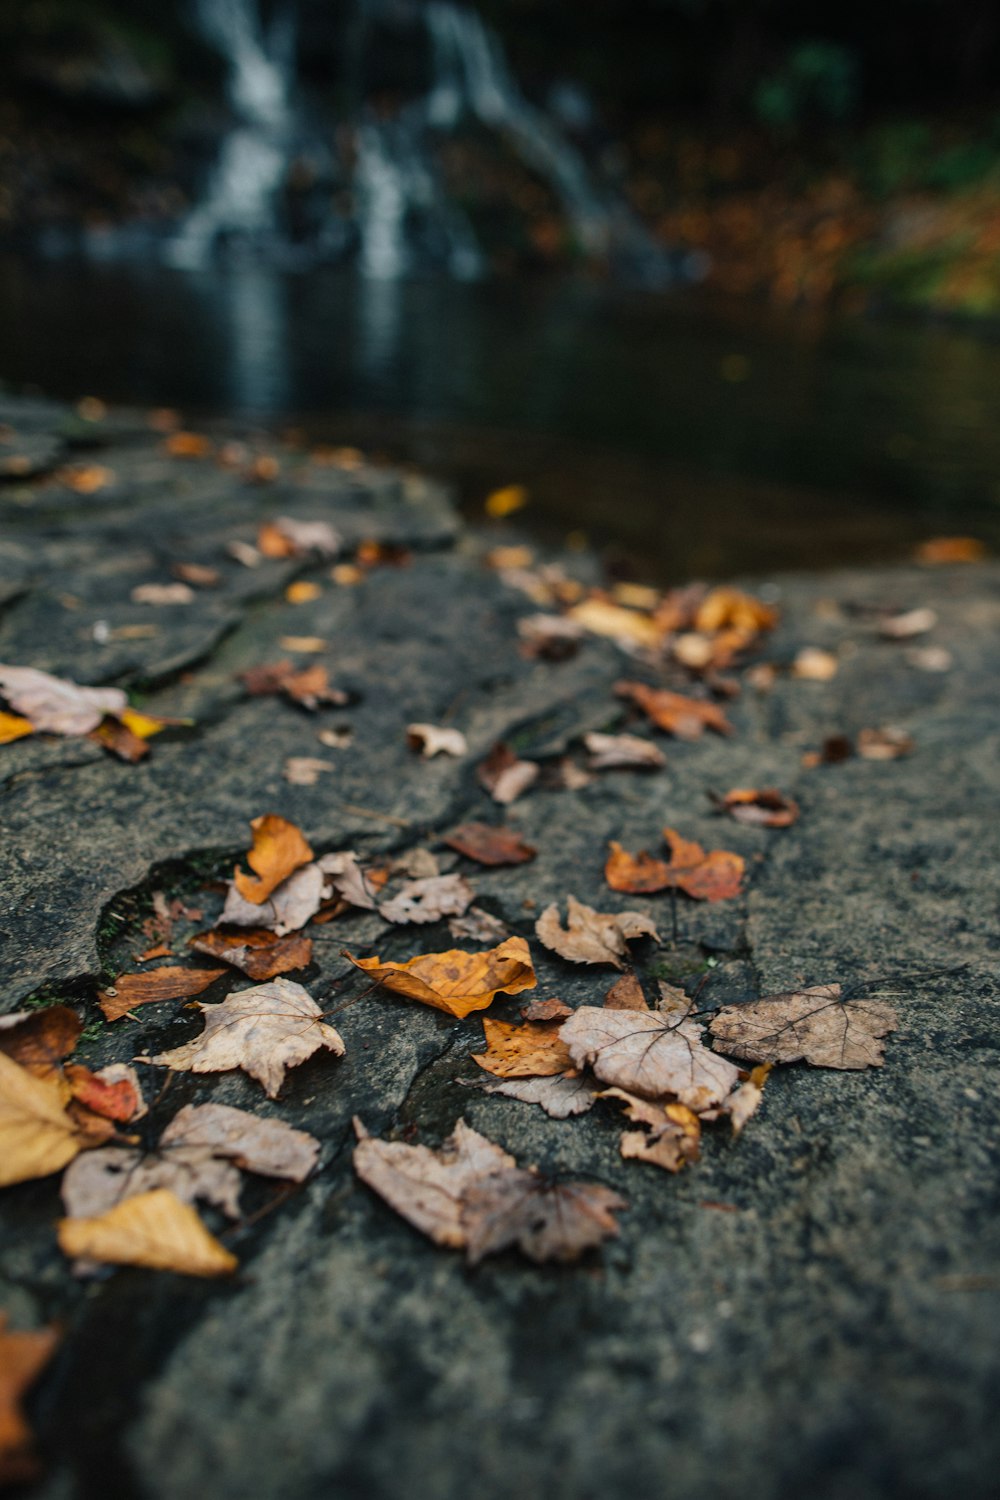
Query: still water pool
[684, 436]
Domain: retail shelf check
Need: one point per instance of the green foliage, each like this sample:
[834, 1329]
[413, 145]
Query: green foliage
[817, 79]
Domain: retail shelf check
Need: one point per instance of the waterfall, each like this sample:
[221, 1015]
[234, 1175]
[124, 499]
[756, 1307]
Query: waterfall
[244, 185]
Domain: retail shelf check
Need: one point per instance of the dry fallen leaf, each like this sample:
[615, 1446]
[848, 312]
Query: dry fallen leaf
[162, 593]
[477, 926]
[197, 574]
[561, 1096]
[257, 953]
[729, 608]
[505, 501]
[23, 1357]
[471, 1194]
[686, 718]
[712, 876]
[626, 994]
[14, 727]
[546, 1010]
[310, 645]
[278, 850]
[627, 627]
[187, 445]
[609, 752]
[912, 622]
[504, 775]
[303, 591]
[39, 1039]
[264, 1030]
[763, 807]
[814, 1025]
[305, 770]
[489, 845]
[55, 705]
[951, 549]
[592, 937]
[155, 1230]
[168, 983]
[745, 1101]
[456, 981]
[431, 740]
[815, 665]
[117, 738]
[551, 637]
[884, 744]
[307, 688]
[429, 900]
[37, 1135]
[533, 1050]
[344, 877]
[287, 537]
[289, 906]
[112, 1094]
[654, 1055]
[671, 1137]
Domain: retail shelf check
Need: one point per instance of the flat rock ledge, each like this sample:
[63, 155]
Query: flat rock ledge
[810, 1311]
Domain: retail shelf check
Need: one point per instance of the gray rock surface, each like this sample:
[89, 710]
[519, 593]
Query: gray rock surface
[808, 1311]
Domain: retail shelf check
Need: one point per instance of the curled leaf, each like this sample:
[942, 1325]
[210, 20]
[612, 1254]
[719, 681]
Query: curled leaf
[592, 937]
[686, 718]
[765, 807]
[153, 1229]
[609, 752]
[431, 740]
[456, 981]
[712, 876]
[504, 775]
[278, 849]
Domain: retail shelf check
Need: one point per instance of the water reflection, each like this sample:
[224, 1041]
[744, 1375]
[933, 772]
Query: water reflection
[255, 303]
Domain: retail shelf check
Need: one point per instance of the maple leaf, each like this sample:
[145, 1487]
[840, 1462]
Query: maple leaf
[471, 1194]
[23, 1357]
[278, 850]
[671, 1135]
[429, 900]
[432, 740]
[765, 807]
[560, 1095]
[715, 876]
[153, 1229]
[257, 953]
[456, 981]
[813, 1025]
[489, 845]
[504, 775]
[37, 1134]
[198, 1156]
[264, 1030]
[168, 983]
[55, 705]
[592, 937]
[610, 752]
[650, 1054]
[686, 718]
[533, 1050]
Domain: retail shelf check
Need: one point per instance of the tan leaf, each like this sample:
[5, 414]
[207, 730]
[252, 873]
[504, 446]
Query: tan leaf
[561, 1096]
[308, 645]
[924, 658]
[456, 981]
[627, 626]
[765, 807]
[308, 688]
[287, 537]
[278, 849]
[264, 1030]
[431, 740]
[609, 752]
[533, 1050]
[626, 994]
[745, 1100]
[289, 906]
[55, 705]
[592, 937]
[884, 744]
[815, 665]
[268, 1147]
[257, 953]
[162, 593]
[477, 926]
[489, 845]
[504, 775]
[305, 770]
[686, 718]
[654, 1055]
[546, 1010]
[153, 1229]
[37, 1136]
[429, 900]
[912, 622]
[814, 1025]
[169, 983]
[23, 1357]
[40, 1039]
[671, 1137]
[197, 574]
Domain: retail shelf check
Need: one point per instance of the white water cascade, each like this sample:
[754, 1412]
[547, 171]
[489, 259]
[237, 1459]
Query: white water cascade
[241, 194]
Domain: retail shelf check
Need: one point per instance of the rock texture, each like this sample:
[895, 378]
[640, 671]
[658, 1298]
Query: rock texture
[806, 1312]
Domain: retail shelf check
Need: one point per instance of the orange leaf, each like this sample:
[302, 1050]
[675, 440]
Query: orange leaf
[456, 982]
[687, 718]
[529, 1051]
[23, 1356]
[258, 953]
[727, 607]
[278, 849]
[169, 983]
[489, 845]
[39, 1039]
[761, 807]
[714, 876]
[951, 549]
[639, 874]
[13, 727]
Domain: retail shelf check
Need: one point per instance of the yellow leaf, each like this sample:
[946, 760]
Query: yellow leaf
[152, 1229]
[37, 1136]
[278, 849]
[302, 592]
[601, 617]
[13, 727]
[506, 501]
[457, 982]
[142, 725]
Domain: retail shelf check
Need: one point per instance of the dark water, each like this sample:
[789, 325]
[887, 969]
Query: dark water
[683, 436]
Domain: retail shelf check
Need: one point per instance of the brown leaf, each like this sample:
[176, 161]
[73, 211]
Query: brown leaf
[912, 622]
[197, 574]
[592, 937]
[686, 718]
[489, 845]
[429, 900]
[471, 1194]
[814, 1025]
[154, 1229]
[504, 775]
[278, 849]
[545, 1010]
[116, 737]
[456, 981]
[671, 1137]
[287, 537]
[650, 1054]
[37, 1135]
[951, 549]
[257, 953]
[533, 1050]
[815, 665]
[561, 1096]
[884, 744]
[55, 705]
[626, 994]
[609, 752]
[344, 877]
[23, 1357]
[308, 688]
[551, 637]
[431, 740]
[169, 983]
[289, 906]
[40, 1039]
[477, 926]
[264, 1030]
[638, 874]
[305, 770]
[765, 807]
